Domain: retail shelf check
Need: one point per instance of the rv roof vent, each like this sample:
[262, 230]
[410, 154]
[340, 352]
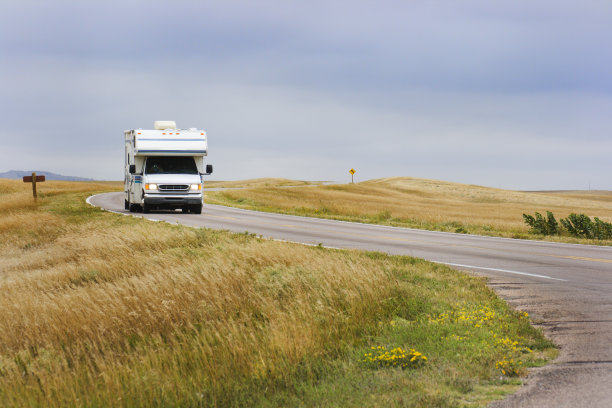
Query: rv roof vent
[164, 124]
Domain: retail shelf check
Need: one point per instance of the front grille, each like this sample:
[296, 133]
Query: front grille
[173, 187]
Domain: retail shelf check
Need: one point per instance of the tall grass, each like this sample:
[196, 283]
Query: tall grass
[260, 182]
[425, 204]
[102, 310]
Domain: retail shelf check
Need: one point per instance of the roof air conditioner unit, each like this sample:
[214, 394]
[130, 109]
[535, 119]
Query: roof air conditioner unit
[164, 124]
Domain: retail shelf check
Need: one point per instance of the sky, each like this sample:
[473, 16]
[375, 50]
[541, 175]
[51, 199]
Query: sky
[509, 94]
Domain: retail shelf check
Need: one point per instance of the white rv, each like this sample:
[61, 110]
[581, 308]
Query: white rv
[164, 168]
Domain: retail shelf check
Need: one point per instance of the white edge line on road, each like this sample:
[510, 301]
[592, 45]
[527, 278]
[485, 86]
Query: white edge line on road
[501, 270]
[103, 209]
[307, 244]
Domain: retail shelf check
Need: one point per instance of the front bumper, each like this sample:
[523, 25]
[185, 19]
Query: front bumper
[159, 200]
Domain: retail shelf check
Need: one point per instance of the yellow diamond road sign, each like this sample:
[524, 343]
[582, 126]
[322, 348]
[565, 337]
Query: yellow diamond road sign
[352, 171]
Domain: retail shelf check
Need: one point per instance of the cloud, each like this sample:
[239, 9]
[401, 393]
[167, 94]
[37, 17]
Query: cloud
[505, 94]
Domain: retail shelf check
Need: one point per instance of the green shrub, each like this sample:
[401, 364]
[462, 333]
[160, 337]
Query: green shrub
[541, 225]
[580, 225]
[602, 229]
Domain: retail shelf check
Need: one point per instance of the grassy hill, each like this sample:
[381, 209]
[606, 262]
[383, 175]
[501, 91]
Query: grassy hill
[98, 309]
[260, 182]
[424, 204]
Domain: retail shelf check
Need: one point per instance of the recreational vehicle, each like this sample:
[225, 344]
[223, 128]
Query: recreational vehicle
[164, 168]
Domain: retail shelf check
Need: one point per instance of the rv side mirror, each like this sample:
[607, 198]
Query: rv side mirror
[209, 169]
[132, 168]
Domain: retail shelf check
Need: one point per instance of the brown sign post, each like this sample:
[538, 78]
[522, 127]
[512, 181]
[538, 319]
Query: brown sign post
[33, 179]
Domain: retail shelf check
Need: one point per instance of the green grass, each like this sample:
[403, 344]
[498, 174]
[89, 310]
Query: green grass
[458, 371]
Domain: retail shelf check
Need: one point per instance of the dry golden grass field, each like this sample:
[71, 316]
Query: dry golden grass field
[260, 182]
[99, 309]
[424, 204]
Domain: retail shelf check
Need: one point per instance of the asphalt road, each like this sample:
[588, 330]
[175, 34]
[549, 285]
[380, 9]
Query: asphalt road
[566, 288]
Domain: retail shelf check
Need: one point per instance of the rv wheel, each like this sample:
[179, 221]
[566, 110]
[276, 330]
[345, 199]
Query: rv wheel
[197, 209]
[133, 207]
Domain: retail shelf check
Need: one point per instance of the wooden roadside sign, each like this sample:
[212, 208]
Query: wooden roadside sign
[29, 179]
[352, 171]
[33, 179]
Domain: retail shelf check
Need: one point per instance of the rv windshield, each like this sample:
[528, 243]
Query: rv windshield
[171, 165]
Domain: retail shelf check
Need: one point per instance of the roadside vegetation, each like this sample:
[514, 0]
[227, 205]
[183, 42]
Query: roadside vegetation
[426, 204]
[98, 309]
[260, 182]
[576, 225]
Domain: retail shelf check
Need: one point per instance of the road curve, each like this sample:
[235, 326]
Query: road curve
[565, 287]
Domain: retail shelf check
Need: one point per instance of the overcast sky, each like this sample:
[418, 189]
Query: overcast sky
[511, 94]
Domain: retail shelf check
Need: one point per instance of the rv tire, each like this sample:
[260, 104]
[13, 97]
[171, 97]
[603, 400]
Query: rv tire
[196, 209]
[146, 208]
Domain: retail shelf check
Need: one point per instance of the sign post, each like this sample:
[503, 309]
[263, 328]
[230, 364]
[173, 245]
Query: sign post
[352, 171]
[33, 179]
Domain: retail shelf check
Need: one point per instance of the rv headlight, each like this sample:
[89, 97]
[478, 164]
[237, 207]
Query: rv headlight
[196, 187]
[150, 186]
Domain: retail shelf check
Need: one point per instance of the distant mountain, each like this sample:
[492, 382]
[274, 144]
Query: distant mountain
[18, 174]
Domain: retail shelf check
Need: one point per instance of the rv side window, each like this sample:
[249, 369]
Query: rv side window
[171, 165]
